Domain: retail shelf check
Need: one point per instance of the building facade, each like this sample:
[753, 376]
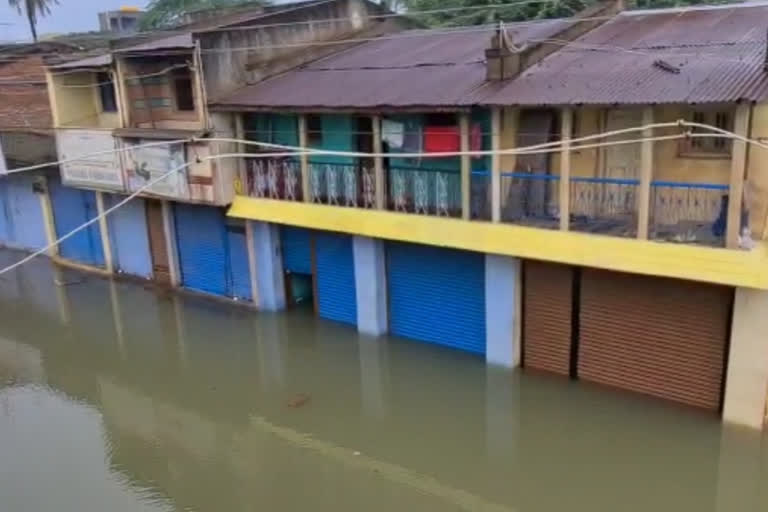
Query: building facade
[639, 264]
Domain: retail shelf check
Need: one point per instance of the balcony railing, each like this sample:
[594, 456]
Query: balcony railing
[424, 191]
[343, 184]
[274, 178]
[679, 212]
[693, 213]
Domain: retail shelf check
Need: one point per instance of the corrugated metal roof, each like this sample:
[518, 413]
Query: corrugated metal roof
[719, 53]
[91, 62]
[411, 69]
[166, 43]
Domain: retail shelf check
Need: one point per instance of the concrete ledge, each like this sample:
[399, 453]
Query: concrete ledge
[712, 265]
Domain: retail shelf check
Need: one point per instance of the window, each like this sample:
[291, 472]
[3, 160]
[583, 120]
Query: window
[314, 130]
[182, 87]
[710, 146]
[106, 92]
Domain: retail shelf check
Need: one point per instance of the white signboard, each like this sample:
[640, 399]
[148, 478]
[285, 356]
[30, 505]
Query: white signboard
[146, 164]
[99, 171]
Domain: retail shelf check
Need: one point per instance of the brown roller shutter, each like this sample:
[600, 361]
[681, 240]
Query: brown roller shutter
[547, 317]
[157, 242]
[657, 336]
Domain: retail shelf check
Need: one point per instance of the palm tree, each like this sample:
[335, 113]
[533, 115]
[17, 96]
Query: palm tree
[33, 9]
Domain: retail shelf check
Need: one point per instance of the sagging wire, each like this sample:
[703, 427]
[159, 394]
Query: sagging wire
[298, 151]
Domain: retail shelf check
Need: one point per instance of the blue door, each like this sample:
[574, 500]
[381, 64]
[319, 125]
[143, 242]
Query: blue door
[129, 236]
[437, 295]
[296, 245]
[201, 238]
[71, 209]
[27, 214]
[239, 271]
[335, 267]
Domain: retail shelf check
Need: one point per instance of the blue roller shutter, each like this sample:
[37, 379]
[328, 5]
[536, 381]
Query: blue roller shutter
[6, 217]
[201, 241]
[335, 278]
[24, 216]
[129, 236]
[437, 295]
[240, 275]
[297, 250]
[72, 208]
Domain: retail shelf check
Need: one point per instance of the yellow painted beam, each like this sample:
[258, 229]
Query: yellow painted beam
[731, 267]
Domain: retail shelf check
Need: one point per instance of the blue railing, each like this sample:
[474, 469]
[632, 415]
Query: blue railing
[688, 212]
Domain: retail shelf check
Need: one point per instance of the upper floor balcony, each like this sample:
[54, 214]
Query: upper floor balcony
[669, 182]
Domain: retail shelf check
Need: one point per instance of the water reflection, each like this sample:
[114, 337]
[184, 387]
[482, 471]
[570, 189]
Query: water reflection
[115, 397]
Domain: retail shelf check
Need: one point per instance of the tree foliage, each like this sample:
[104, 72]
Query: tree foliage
[33, 10]
[505, 10]
[167, 13]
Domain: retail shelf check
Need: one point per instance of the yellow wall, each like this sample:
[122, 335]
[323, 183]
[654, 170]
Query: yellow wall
[77, 103]
[722, 266]
[756, 191]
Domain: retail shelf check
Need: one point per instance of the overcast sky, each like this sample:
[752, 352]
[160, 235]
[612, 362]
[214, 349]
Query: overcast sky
[68, 16]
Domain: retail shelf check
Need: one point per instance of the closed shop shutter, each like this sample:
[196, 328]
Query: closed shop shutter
[336, 299]
[547, 317]
[6, 218]
[201, 241]
[657, 336]
[297, 250]
[72, 208]
[27, 214]
[129, 236]
[240, 275]
[158, 244]
[437, 295]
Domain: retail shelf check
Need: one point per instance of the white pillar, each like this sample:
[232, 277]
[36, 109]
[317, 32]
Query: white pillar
[106, 243]
[502, 310]
[746, 385]
[370, 285]
[269, 294]
[169, 229]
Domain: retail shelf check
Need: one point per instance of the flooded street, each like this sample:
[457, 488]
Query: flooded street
[117, 397]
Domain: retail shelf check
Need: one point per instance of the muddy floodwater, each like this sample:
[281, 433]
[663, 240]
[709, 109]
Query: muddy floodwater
[116, 397]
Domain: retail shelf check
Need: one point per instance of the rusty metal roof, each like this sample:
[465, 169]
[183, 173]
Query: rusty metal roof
[688, 55]
[697, 55]
[419, 68]
[97, 61]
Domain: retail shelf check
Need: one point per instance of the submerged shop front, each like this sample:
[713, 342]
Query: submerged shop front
[657, 336]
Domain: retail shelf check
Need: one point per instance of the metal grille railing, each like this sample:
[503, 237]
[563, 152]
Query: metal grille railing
[693, 213]
[339, 184]
[274, 179]
[424, 191]
[604, 205]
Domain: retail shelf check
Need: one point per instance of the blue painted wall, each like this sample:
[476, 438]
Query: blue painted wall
[129, 236]
[21, 218]
[239, 271]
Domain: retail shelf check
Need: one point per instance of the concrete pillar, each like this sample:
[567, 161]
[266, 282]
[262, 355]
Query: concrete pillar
[169, 230]
[370, 285]
[269, 294]
[646, 177]
[738, 173]
[50, 225]
[566, 127]
[374, 376]
[496, 164]
[746, 385]
[378, 164]
[502, 310]
[466, 167]
[106, 243]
